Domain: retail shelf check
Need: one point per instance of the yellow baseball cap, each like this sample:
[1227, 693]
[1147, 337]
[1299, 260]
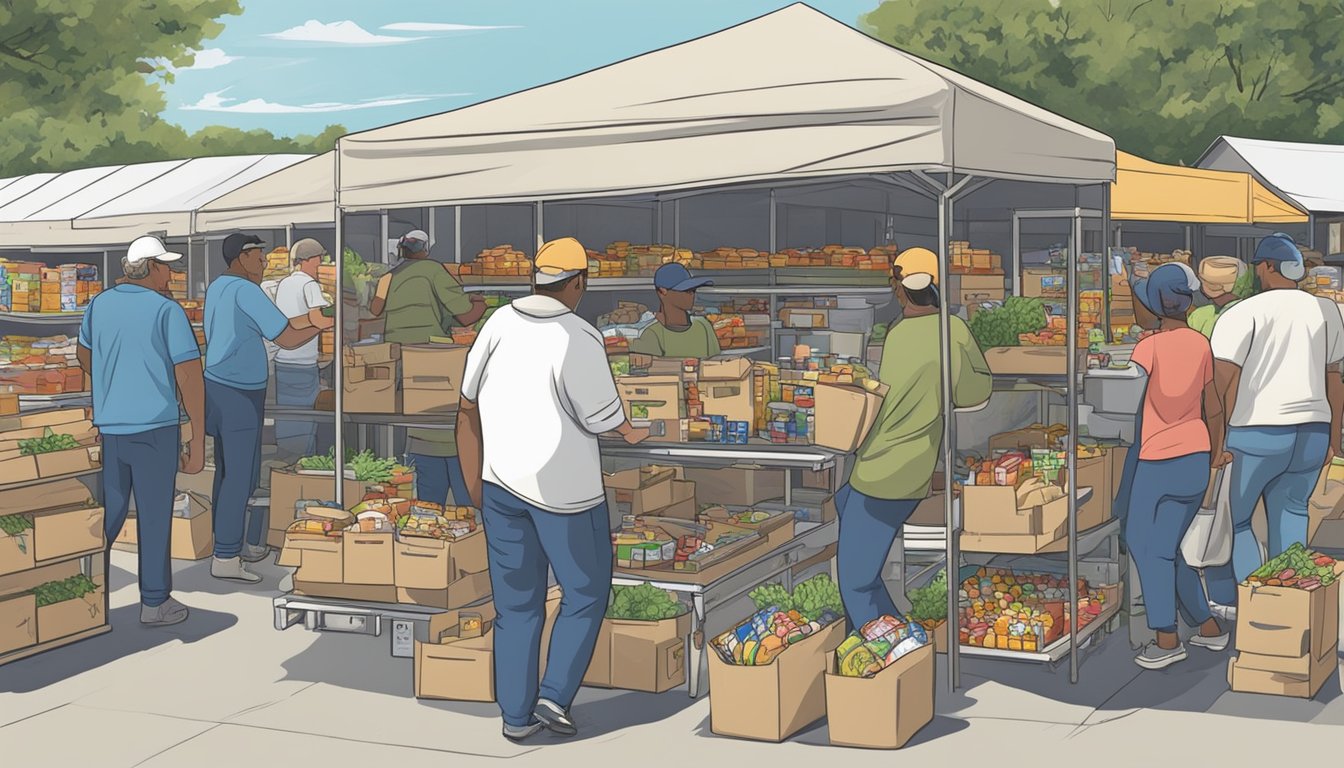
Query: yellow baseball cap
[919, 268]
[559, 260]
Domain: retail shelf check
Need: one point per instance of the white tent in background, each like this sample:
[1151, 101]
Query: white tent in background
[1310, 175]
[300, 193]
[115, 204]
[791, 95]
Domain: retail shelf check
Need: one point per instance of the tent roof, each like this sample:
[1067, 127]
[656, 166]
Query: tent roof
[1148, 191]
[806, 96]
[300, 193]
[1307, 174]
[105, 205]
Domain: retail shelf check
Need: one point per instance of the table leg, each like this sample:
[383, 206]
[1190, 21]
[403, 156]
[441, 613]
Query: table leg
[695, 657]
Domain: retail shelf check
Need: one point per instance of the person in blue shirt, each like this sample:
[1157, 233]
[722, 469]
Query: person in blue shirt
[138, 348]
[239, 317]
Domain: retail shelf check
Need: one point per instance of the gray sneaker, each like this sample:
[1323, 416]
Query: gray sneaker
[251, 554]
[1215, 643]
[1154, 657]
[164, 614]
[521, 732]
[232, 569]
[554, 717]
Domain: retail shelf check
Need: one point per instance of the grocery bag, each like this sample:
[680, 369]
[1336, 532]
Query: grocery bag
[1208, 540]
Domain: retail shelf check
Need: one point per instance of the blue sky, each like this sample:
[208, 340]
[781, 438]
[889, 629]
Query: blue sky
[297, 66]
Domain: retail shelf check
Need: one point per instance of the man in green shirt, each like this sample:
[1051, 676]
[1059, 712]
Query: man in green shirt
[420, 299]
[894, 467]
[674, 332]
[1217, 276]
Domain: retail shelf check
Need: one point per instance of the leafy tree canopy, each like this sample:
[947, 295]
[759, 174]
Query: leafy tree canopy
[1163, 77]
[81, 85]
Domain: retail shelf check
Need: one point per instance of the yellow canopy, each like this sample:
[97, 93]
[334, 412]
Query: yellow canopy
[1148, 191]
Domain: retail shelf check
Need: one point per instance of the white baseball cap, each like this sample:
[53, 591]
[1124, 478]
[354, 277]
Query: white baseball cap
[149, 247]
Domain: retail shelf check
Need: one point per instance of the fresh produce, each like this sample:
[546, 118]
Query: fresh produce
[643, 602]
[354, 264]
[1297, 567]
[761, 638]
[67, 589]
[1001, 327]
[878, 643]
[879, 334]
[49, 442]
[15, 526]
[1022, 611]
[929, 603]
[366, 467]
[767, 595]
[1245, 285]
[431, 521]
[812, 598]
[324, 463]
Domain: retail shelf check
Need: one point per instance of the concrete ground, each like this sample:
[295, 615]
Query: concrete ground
[225, 689]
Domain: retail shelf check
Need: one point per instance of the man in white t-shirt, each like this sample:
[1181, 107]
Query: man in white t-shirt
[297, 379]
[536, 393]
[1278, 356]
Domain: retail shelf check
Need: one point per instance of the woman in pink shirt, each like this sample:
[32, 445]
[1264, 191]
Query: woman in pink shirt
[1179, 426]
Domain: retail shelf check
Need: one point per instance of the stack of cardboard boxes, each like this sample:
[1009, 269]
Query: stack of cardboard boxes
[326, 277]
[17, 467]
[372, 378]
[413, 379]
[500, 261]
[1287, 639]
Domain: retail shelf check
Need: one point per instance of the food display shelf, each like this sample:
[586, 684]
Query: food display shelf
[427, 421]
[1053, 652]
[42, 402]
[97, 471]
[756, 451]
[44, 318]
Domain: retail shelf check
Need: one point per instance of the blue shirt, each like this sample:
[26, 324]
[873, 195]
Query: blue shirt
[238, 316]
[135, 338]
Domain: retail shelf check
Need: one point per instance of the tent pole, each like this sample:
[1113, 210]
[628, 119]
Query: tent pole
[1071, 458]
[1106, 258]
[457, 234]
[338, 332]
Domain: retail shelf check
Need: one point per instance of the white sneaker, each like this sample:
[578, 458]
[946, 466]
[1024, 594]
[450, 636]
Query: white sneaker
[1224, 613]
[233, 569]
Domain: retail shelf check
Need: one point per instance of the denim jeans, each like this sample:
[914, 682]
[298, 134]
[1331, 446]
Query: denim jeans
[1280, 465]
[522, 540]
[1165, 498]
[233, 417]
[145, 464]
[296, 386]
[435, 476]
[868, 528]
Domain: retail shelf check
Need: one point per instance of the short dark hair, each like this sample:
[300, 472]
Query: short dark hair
[554, 288]
[924, 297]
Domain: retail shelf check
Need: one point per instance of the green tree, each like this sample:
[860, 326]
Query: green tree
[1163, 77]
[81, 84]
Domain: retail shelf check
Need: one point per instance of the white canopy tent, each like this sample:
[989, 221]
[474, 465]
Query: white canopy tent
[300, 193]
[682, 118]
[112, 205]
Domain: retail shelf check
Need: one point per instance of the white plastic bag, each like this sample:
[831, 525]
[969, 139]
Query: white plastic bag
[1208, 541]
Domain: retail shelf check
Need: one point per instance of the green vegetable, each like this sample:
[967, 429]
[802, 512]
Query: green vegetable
[67, 589]
[768, 595]
[367, 467]
[929, 603]
[1301, 561]
[643, 602]
[325, 463]
[1245, 285]
[49, 442]
[355, 266]
[811, 598]
[15, 526]
[1001, 326]
[879, 333]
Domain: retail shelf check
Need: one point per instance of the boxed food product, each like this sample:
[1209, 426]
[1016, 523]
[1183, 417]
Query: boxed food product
[1289, 607]
[845, 413]
[18, 622]
[291, 485]
[372, 389]
[442, 573]
[368, 558]
[68, 607]
[641, 490]
[738, 485]
[883, 711]
[60, 533]
[641, 646]
[432, 377]
[1301, 678]
[653, 398]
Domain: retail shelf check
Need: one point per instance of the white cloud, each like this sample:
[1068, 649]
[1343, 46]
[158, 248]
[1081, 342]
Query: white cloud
[217, 102]
[337, 33]
[426, 26]
[211, 58]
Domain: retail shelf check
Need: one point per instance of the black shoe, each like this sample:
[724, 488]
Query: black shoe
[518, 733]
[554, 717]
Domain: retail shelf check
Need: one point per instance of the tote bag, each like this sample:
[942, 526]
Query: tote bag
[1208, 541]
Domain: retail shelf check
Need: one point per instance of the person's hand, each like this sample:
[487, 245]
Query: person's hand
[193, 461]
[636, 435]
[1221, 459]
[326, 324]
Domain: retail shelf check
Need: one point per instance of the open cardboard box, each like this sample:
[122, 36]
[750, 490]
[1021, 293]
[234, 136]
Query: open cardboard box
[886, 710]
[640, 655]
[1288, 622]
[845, 414]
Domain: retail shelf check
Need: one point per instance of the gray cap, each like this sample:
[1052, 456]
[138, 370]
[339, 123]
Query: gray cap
[306, 249]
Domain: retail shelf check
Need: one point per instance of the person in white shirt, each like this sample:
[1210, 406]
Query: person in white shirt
[536, 393]
[297, 377]
[1277, 368]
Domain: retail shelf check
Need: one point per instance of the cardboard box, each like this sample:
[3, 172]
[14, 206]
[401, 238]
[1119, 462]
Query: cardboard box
[289, 487]
[68, 462]
[726, 388]
[1325, 529]
[368, 558]
[432, 377]
[18, 622]
[639, 491]
[640, 655]
[1245, 676]
[980, 282]
[738, 485]
[459, 673]
[1288, 622]
[1028, 361]
[469, 589]
[441, 574]
[804, 318]
[193, 538]
[372, 389]
[844, 414]
[992, 509]
[68, 532]
[684, 505]
[319, 561]
[774, 701]
[1038, 282]
[70, 617]
[21, 469]
[650, 397]
[381, 353]
[363, 593]
[884, 711]
[53, 418]
[17, 552]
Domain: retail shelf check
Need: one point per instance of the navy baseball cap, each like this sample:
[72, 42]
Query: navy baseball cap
[1168, 291]
[675, 277]
[1278, 247]
[235, 244]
